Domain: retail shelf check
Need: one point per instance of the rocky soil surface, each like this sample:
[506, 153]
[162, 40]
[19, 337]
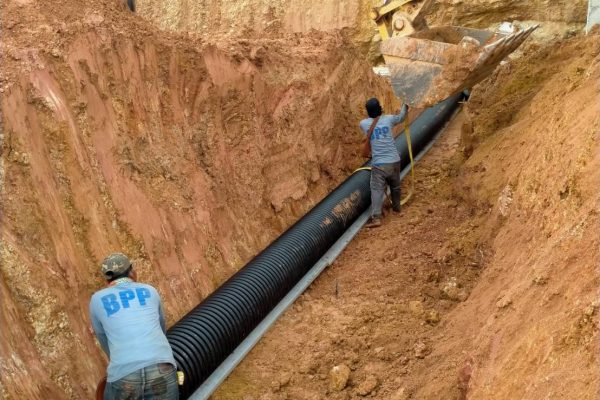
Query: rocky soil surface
[191, 148]
[272, 18]
[482, 13]
[186, 154]
[486, 286]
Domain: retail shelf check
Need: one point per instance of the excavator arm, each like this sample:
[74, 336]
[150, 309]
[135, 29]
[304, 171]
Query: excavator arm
[400, 17]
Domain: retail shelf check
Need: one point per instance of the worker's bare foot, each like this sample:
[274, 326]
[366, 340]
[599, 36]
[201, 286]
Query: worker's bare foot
[373, 223]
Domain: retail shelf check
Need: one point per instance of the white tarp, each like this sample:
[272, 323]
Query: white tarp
[593, 14]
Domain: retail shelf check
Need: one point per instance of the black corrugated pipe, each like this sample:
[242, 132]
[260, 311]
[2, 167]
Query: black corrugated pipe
[203, 338]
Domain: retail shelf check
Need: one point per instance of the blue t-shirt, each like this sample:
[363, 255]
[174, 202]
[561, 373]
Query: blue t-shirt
[383, 147]
[129, 323]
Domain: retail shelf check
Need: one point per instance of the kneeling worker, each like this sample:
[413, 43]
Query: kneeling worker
[385, 159]
[129, 323]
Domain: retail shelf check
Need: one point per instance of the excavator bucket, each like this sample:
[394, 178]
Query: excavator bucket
[429, 66]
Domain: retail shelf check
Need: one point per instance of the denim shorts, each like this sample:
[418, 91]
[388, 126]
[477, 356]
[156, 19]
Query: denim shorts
[155, 382]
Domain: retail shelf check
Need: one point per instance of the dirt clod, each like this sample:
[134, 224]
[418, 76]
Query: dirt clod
[433, 317]
[338, 377]
[421, 349]
[504, 301]
[452, 291]
[416, 308]
[367, 386]
[400, 394]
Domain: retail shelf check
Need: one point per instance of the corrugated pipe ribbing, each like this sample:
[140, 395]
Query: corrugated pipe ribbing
[204, 337]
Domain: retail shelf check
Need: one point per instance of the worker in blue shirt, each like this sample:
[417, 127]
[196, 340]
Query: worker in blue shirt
[128, 320]
[385, 160]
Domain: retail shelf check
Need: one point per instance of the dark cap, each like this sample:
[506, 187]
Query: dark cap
[373, 108]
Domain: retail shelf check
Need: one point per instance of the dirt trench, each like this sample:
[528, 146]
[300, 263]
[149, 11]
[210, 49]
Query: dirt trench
[192, 150]
[188, 155]
[486, 286]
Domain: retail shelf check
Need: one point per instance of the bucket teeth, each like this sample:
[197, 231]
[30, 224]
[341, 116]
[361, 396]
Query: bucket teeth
[495, 52]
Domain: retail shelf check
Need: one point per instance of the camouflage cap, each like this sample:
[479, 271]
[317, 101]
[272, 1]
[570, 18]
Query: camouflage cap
[115, 264]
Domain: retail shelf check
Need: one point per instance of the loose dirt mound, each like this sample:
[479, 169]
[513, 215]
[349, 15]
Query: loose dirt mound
[186, 155]
[272, 18]
[259, 18]
[487, 285]
[482, 13]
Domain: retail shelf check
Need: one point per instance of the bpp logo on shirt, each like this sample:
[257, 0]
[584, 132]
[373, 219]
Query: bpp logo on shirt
[379, 133]
[112, 304]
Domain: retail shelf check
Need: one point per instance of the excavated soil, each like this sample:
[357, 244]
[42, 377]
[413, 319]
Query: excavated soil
[272, 17]
[486, 286]
[482, 13]
[191, 150]
[189, 155]
[261, 17]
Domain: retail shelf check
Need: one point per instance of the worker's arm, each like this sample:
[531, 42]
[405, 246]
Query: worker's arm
[98, 329]
[401, 116]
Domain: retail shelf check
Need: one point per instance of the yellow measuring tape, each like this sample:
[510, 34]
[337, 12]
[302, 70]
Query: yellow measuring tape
[362, 169]
[412, 162]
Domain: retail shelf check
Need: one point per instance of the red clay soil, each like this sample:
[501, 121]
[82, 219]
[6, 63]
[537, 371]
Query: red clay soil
[192, 155]
[483, 13]
[188, 156]
[486, 286]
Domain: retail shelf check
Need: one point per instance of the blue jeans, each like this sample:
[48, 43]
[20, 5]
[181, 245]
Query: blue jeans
[156, 382]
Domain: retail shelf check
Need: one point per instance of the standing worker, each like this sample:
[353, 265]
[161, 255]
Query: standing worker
[385, 160]
[128, 320]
